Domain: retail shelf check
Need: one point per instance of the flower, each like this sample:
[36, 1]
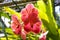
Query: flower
[17, 28]
[30, 19]
[15, 25]
[43, 36]
[30, 22]
[23, 35]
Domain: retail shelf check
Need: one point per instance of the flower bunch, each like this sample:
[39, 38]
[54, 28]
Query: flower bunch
[30, 19]
[31, 22]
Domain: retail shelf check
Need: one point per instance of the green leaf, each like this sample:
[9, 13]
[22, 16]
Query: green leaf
[46, 15]
[59, 33]
[5, 15]
[52, 23]
[42, 10]
[10, 34]
[31, 38]
[0, 13]
[9, 30]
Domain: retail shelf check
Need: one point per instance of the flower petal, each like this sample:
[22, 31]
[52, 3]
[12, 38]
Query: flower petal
[29, 8]
[16, 28]
[23, 35]
[24, 17]
[14, 19]
[36, 27]
[27, 27]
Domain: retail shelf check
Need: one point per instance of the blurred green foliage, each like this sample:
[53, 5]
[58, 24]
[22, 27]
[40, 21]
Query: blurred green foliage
[46, 15]
[45, 9]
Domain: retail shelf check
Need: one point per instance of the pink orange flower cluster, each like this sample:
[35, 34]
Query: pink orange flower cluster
[30, 20]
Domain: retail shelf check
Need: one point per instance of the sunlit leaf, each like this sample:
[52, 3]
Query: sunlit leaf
[51, 18]
[42, 10]
[46, 15]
